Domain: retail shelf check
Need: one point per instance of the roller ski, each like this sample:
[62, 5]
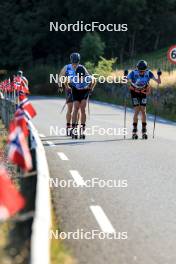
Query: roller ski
[144, 131]
[135, 136]
[144, 136]
[74, 133]
[82, 132]
[134, 132]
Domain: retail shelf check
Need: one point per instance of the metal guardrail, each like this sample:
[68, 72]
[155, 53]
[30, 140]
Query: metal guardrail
[40, 243]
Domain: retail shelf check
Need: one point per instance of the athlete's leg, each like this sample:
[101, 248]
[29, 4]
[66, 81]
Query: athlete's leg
[144, 124]
[135, 122]
[83, 118]
[69, 117]
[78, 117]
[76, 106]
[136, 113]
[143, 112]
[83, 111]
[69, 112]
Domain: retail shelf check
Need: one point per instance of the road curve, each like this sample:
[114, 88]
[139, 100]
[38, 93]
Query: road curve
[145, 209]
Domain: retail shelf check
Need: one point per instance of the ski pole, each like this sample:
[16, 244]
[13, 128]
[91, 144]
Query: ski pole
[88, 104]
[65, 103]
[155, 114]
[63, 107]
[156, 102]
[125, 104]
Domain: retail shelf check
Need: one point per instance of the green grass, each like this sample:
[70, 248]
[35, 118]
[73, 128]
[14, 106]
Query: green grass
[59, 253]
[156, 59]
[4, 230]
[166, 103]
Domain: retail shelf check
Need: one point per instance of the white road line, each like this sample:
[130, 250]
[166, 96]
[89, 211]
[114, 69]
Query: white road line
[102, 219]
[41, 135]
[77, 177]
[62, 156]
[50, 143]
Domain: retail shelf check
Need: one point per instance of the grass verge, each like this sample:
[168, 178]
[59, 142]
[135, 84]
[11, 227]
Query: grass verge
[59, 253]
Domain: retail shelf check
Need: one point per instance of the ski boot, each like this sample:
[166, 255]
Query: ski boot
[134, 132]
[68, 130]
[74, 132]
[144, 131]
[82, 131]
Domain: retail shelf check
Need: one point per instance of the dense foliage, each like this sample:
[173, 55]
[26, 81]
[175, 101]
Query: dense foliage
[26, 40]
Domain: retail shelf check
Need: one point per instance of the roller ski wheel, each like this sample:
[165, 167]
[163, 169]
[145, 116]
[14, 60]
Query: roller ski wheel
[134, 132]
[144, 131]
[74, 134]
[68, 131]
[82, 136]
[144, 136]
[82, 132]
[135, 136]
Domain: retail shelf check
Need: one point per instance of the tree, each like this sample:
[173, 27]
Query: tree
[92, 47]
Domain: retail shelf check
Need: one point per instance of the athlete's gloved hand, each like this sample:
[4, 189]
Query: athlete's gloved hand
[125, 72]
[159, 72]
[68, 88]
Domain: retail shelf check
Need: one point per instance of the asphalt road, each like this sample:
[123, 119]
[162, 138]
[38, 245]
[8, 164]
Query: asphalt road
[145, 210]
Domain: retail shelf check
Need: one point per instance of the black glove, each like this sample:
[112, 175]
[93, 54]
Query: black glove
[125, 72]
[159, 72]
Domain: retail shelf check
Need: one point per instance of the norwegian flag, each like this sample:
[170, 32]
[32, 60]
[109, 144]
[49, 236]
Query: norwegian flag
[21, 84]
[3, 86]
[21, 120]
[18, 153]
[22, 97]
[7, 85]
[17, 82]
[11, 201]
[27, 106]
[24, 85]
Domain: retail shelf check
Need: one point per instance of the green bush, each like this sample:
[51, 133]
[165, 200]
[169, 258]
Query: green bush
[90, 66]
[104, 67]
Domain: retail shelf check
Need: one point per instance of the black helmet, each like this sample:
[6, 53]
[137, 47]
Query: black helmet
[20, 73]
[75, 57]
[80, 71]
[142, 65]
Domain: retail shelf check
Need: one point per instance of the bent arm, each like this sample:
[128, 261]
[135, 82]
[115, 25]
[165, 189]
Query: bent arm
[157, 80]
[62, 74]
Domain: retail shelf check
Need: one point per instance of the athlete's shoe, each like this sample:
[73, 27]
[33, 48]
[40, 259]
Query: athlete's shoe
[82, 136]
[134, 133]
[144, 136]
[134, 136]
[74, 133]
[82, 132]
[144, 131]
[68, 130]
